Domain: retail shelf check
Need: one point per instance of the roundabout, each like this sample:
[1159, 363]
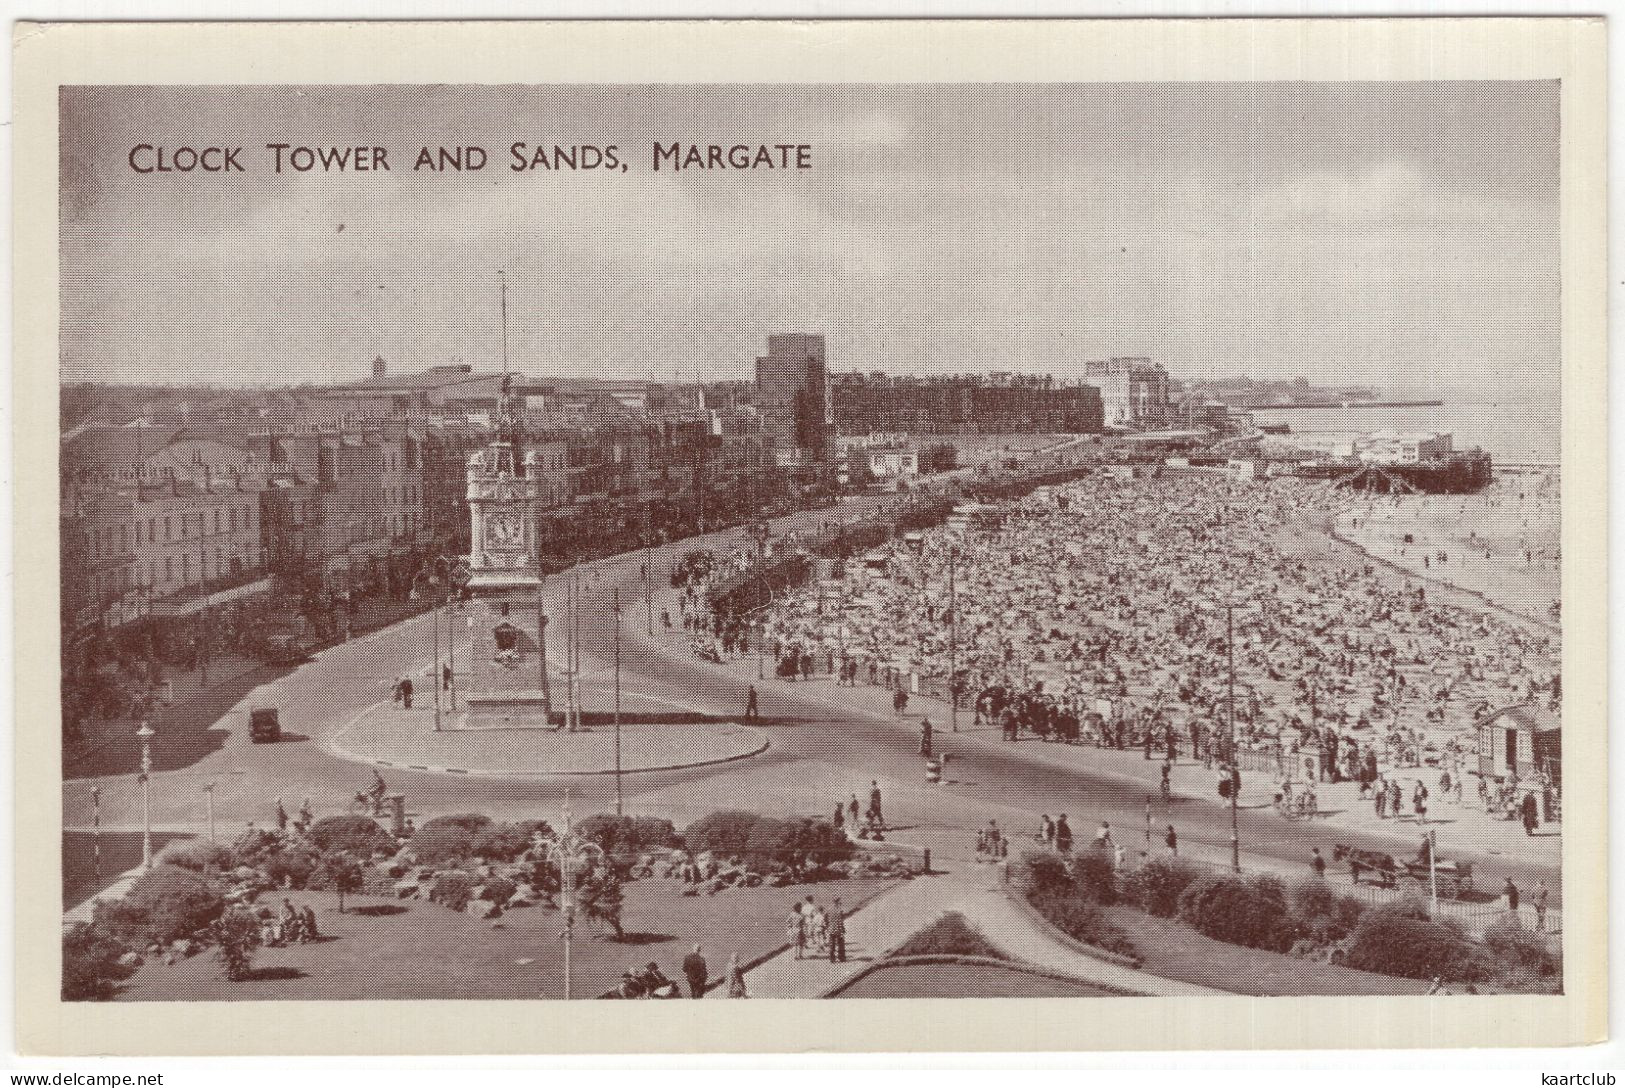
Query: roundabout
[385, 735]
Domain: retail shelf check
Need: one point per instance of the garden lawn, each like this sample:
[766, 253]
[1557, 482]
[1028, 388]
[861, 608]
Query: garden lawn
[1174, 950]
[415, 949]
[964, 980]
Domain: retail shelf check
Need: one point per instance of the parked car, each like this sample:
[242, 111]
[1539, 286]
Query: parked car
[264, 726]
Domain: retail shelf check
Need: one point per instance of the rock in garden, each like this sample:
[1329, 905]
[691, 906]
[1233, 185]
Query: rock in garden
[753, 880]
[131, 959]
[407, 889]
[779, 880]
[483, 908]
[516, 901]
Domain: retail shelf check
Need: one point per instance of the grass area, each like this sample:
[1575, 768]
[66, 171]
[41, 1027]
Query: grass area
[1174, 950]
[964, 980]
[951, 934]
[415, 949]
[120, 852]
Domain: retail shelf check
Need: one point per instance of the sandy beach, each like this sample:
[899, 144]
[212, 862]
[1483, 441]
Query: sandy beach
[1504, 543]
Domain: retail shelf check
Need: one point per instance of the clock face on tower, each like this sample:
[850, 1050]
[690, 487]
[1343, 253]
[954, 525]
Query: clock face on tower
[503, 529]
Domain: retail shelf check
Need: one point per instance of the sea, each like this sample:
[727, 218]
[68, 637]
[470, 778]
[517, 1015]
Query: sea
[1510, 432]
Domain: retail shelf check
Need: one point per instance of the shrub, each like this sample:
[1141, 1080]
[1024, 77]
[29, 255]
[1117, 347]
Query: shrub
[725, 833]
[1041, 872]
[443, 845]
[452, 890]
[1249, 911]
[343, 874]
[295, 865]
[1082, 921]
[950, 934]
[253, 846]
[1322, 914]
[90, 963]
[197, 855]
[499, 889]
[1392, 940]
[236, 934]
[468, 821]
[532, 828]
[359, 835]
[613, 833]
[654, 833]
[165, 904]
[500, 842]
[1156, 886]
[1517, 949]
[1094, 875]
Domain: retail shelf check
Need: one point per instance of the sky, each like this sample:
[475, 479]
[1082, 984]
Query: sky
[1398, 235]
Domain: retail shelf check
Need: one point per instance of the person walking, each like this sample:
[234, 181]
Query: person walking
[1063, 835]
[899, 702]
[1510, 890]
[406, 693]
[1103, 837]
[752, 711]
[735, 980]
[852, 810]
[1172, 840]
[445, 677]
[795, 928]
[1531, 814]
[925, 737]
[835, 932]
[695, 970]
[1540, 899]
[874, 804]
[1046, 830]
[1317, 862]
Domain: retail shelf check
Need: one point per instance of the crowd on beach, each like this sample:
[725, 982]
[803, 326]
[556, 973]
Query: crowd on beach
[1101, 611]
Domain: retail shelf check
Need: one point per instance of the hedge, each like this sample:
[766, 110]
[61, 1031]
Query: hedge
[1249, 911]
[359, 835]
[165, 904]
[1156, 886]
[500, 842]
[1082, 921]
[1396, 939]
[1517, 949]
[724, 833]
[468, 821]
[90, 963]
[1322, 914]
[196, 855]
[628, 834]
[442, 845]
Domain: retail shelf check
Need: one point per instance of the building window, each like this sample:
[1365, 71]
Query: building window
[167, 535]
[169, 568]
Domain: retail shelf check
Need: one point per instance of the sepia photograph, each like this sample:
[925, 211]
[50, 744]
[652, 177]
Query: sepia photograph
[741, 540]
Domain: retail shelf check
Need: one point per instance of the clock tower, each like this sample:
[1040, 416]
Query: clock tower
[508, 687]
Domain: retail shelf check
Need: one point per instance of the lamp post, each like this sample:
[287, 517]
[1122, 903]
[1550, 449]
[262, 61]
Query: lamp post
[208, 795]
[953, 639]
[569, 852]
[96, 831]
[617, 602]
[146, 733]
[1235, 754]
[433, 579]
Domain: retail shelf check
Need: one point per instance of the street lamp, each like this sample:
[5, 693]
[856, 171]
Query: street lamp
[146, 733]
[96, 831]
[569, 852]
[208, 794]
[434, 679]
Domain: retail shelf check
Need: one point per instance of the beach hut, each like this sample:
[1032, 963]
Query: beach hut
[1525, 740]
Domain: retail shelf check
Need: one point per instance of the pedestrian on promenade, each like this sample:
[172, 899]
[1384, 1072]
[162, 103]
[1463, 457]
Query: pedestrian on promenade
[1531, 814]
[1046, 830]
[281, 816]
[736, 978]
[795, 928]
[1379, 800]
[1317, 862]
[899, 702]
[839, 821]
[445, 677]
[925, 737]
[695, 970]
[1103, 837]
[1172, 840]
[1511, 893]
[406, 692]
[1063, 835]
[1540, 899]
[398, 690]
[752, 712]
[874, 804]
[852, 810]
[835, 932]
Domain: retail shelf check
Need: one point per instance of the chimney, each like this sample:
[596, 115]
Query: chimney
[378, 366]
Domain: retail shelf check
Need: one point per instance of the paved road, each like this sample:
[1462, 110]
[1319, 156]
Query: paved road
[826, 744]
